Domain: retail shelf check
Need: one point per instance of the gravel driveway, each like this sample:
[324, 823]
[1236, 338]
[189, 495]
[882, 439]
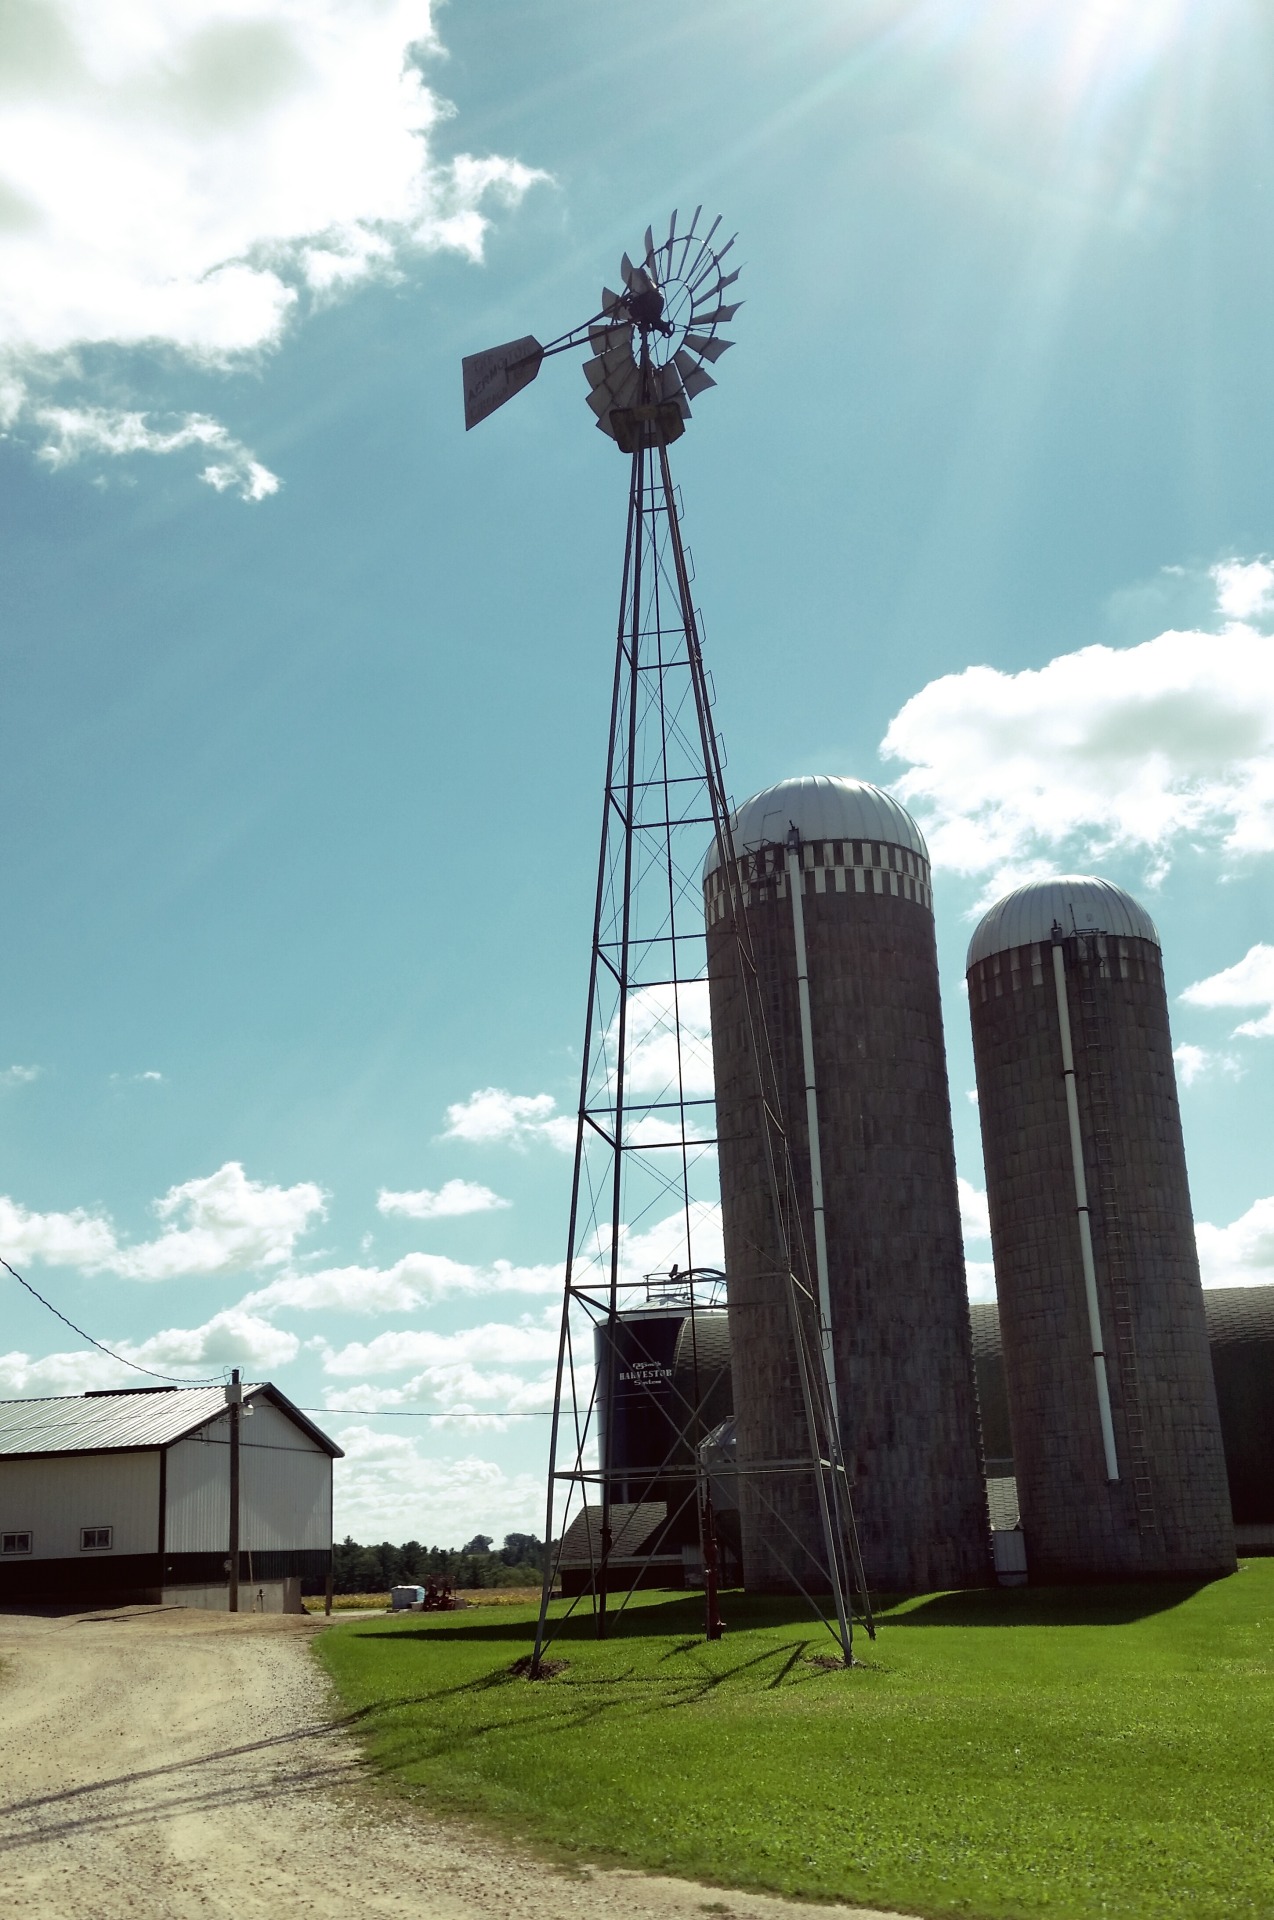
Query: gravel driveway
[168, 1764]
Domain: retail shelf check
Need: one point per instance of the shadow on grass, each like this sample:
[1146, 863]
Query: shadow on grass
[651, 1619]
[1116, 1605]
[567, 1705]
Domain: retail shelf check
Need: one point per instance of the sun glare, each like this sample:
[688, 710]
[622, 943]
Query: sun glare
[1079, 49]
[1096, 47]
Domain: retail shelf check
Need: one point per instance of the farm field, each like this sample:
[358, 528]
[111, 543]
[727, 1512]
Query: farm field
[471, 1596]
[1039, 1754]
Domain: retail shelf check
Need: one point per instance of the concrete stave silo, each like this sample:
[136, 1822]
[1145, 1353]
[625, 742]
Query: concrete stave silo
[901, 1348]
[1116, 1439]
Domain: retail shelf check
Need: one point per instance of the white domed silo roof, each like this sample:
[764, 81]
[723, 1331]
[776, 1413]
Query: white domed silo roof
[821, 807]
[1072, 901]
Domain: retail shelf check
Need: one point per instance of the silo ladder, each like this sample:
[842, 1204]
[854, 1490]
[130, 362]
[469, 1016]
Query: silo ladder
[1094, 1023]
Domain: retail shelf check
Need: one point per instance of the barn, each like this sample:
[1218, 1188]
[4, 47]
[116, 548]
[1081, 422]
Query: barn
[125, 1495]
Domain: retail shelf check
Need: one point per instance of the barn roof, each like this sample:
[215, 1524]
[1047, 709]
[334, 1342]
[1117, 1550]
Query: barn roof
[110, 1422]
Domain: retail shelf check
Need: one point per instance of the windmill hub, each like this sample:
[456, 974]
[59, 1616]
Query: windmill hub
[647, 309]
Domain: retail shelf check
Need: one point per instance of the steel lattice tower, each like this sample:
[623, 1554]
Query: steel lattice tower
[644, 1208]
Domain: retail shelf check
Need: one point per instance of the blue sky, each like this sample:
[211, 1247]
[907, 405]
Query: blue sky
[305, 689]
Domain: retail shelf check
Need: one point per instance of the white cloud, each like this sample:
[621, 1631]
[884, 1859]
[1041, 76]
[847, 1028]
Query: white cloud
[192, 177]
[975, 1220]
[657, 1018]
[457, 1391]
[655, 1249]
[453, 1198]
[975, 1226]
[497, 1343]
[418, 1279]
[1196, 1063]
[980, 1279]
[232, 1338]
[1248, 983]
[651, 1251]
[19, 1076]
[1244, 590]
[59, 1373]
[66, 434]
[228, 1223]
[494, 1116]
[75, 1239]
[1103, 751]
[386, 1487]
[1242, 1254]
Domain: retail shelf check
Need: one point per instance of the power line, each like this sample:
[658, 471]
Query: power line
[172, 1378]
[419, 1413]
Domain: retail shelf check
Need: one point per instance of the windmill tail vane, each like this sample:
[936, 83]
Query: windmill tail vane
[648, 343]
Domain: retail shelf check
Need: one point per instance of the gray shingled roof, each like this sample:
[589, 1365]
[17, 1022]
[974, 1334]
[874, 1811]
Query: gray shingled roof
[108, 1422]
[632, 1524]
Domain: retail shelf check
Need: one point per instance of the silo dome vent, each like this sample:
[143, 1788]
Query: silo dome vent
[821, 806]
[1074, 902]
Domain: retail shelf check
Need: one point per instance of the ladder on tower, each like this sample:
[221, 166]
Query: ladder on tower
[1095, 1028]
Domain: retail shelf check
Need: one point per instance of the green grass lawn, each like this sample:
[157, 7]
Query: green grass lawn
[1051, 1752]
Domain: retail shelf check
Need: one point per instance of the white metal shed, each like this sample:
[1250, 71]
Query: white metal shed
[127, 1493]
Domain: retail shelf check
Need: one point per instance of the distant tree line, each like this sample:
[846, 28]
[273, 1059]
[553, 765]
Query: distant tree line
[518, 1563]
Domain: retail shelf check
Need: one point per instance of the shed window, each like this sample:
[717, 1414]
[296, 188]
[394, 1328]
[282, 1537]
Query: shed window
[93, 1539]
[15, 1543]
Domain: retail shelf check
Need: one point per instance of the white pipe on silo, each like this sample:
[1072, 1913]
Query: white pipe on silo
[1082, 1213]
[811, 1118]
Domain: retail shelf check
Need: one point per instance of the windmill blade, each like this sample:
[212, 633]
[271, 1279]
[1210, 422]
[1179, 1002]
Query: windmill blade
[694, 281]
[614, 366]
[721, 318]
[686, 242]
[603, 339]
[626, 271]
[688, 271]
[707, 347]
[694, 378]
[611, 302]
[603, 408]
[493, 377]
[665, 251]
[650, 256]
[615, 380]
[671, 387]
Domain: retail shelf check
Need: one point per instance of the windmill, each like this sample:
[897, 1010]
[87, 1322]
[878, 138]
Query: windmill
[644, 1233]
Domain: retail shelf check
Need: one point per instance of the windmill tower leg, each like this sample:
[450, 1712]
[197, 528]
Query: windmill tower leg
[644, 1172]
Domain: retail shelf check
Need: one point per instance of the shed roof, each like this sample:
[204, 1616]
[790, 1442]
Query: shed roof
[142, 1417]
[1236, 1316]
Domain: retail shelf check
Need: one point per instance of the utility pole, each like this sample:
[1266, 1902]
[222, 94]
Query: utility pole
[234, 1400]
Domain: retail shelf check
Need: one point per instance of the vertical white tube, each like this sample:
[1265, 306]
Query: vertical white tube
[1081, 1211]
[811, 1119]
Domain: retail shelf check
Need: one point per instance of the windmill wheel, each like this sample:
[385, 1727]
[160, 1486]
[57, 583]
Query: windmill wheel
[652, 340]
